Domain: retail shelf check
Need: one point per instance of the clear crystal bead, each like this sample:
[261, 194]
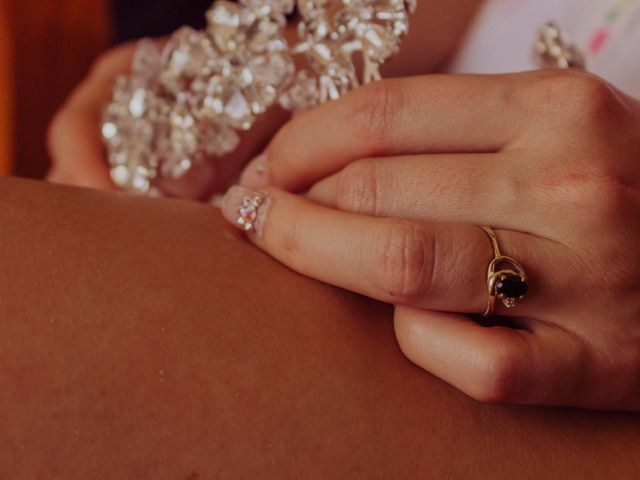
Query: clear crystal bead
[147, 61]
[371, 27]
[302, 94]
[186, 55]
[280, 6]
[509, 302]
[256, 63]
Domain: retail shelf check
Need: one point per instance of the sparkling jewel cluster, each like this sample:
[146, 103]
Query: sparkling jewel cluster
[187, 103]
[248, 213]
[555, 50]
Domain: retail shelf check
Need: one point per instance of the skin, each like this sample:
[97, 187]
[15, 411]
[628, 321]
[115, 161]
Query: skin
[129, 350]
[398, 182]
[77, 151]
[121, 359]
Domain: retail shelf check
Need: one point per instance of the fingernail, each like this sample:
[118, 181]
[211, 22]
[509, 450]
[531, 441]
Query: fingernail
[256, 173]
[245, 208]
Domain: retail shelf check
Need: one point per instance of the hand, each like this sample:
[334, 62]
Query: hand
[401, 173]
[75, 144]
[77, 150]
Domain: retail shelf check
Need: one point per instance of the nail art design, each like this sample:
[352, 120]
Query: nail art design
[245, 209]
[248, 212]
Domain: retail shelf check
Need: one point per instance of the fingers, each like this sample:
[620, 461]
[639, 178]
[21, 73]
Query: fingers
[77, 150]
[394, 117]
[75, 144]
[217, 174]
[481, 189]
[432, 265]
[544, 365]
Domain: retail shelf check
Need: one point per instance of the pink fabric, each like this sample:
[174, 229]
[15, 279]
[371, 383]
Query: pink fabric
[608, 31]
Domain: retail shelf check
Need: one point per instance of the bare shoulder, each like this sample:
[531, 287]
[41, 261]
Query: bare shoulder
[145, 339]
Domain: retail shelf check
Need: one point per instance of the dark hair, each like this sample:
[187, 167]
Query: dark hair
[133, 19]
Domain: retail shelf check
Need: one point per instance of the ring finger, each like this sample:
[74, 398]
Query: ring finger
[433, 265]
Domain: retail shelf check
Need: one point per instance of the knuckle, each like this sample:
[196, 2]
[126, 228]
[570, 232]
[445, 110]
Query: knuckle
[603, 196]
[578, 97]
[611, 196]
[601, 199]
[597, 103]
[404, 263]
[357, 188]
[376, 109]
[499, 376]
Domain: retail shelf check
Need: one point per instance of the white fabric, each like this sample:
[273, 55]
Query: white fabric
[504, 32]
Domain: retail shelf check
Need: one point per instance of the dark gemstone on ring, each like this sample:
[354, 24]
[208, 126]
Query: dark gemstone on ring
[511, 286]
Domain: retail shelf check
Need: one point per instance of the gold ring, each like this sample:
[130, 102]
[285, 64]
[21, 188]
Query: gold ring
[509, 284]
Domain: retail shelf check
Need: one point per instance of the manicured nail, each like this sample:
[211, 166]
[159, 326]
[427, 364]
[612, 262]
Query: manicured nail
[245, 208]
[256, 173]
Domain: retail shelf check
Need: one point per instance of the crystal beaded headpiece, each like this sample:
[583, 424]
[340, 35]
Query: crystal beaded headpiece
[187, 103]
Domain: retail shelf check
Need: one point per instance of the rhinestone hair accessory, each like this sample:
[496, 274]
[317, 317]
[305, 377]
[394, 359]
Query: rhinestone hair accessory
[187, 103]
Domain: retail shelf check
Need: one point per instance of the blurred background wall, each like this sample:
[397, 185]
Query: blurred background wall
[6, 87]
[53, 43]
[46, 48]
